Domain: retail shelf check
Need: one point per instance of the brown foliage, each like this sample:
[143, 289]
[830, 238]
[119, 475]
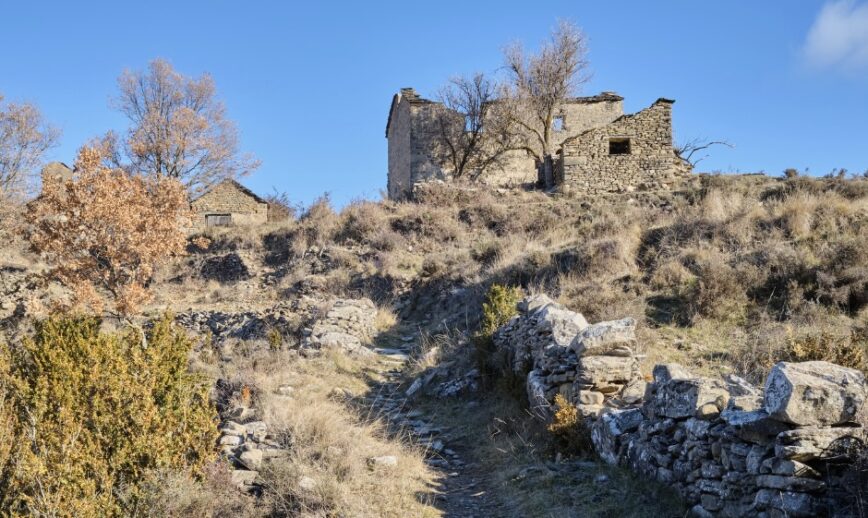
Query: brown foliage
[107, 230]
[179, 128]
[568, 427]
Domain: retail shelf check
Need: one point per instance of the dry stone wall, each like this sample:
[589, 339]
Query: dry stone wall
[592, 366]
[729, 448]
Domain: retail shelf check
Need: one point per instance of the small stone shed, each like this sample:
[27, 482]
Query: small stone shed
[229, 203]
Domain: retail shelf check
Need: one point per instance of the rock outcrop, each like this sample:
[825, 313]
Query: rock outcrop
[729, 448]
[348, 324]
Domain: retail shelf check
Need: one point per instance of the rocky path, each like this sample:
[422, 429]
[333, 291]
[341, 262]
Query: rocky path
[463, 490]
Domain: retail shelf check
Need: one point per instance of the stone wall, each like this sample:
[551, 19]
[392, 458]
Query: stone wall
[398, 135]
[729, 448]
[593, 366]
[586, 165]
[229, 197]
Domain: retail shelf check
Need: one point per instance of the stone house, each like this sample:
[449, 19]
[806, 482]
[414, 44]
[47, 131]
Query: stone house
[229, 203]
[581, 122]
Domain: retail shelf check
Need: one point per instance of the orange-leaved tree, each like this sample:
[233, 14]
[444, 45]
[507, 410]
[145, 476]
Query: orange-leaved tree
[105, 231]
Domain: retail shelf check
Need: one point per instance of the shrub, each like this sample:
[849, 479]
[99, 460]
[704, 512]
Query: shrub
[320, 223]
[91, 413]
[499, 306]
[717, 290]
[571, 434]
[108, 230]
[280, 208]
[362, 221]
[844, 349]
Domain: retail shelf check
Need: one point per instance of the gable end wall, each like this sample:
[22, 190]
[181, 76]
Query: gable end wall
[225, 198]
[586, 165]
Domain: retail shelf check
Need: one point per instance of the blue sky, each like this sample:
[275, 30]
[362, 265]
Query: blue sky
[309, 84]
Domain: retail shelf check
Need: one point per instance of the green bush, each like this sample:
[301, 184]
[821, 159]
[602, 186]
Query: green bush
[499, 306]
[84, 415]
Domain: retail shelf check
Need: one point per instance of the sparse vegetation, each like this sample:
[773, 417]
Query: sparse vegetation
[729, 275]
[571, 434]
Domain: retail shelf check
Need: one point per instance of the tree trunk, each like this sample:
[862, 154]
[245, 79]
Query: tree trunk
[548, 172]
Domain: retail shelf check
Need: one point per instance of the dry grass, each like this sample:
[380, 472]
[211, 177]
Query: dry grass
[740, 252]
[330, 439]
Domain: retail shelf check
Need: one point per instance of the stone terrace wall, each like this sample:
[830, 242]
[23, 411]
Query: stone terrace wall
[730, 449]
[586, 166]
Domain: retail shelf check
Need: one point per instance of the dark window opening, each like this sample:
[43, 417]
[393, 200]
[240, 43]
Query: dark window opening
[558, 123]
[619, 146]
[218, 220]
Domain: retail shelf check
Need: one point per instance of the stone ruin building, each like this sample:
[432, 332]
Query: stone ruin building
[229, 203]
[600, 148]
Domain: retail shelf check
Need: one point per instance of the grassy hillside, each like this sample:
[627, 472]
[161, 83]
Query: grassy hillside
[730, 274]
[733, 273]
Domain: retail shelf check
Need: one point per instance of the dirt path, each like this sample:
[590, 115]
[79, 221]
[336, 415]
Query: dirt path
[463, 489]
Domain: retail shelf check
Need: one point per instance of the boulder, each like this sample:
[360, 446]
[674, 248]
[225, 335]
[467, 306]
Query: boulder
[742, 395]
[609, 431]
[682, 398]
[251, 459]
[242, 478]
[634, 391]
[561, 323]
[669, 371]
[754, 426]
[812, 442]
[790, 503]
[814, 393]
[606, 337]
[605, 370]
[536, 395]
[534, 303]
[387, 461]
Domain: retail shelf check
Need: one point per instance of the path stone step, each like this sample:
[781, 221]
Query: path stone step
[394, 354]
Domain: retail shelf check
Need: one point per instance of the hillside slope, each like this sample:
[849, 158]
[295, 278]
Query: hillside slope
[729, 275]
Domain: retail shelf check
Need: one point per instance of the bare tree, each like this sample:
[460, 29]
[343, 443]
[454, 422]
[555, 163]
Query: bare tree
[539, 84]
[687, 150]
[179, 128]
[24, 139]
[472, 137]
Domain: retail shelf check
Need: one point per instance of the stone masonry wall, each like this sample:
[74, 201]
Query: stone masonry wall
[585, 164]
[399, 181]
[729, 448]
[227, 198]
